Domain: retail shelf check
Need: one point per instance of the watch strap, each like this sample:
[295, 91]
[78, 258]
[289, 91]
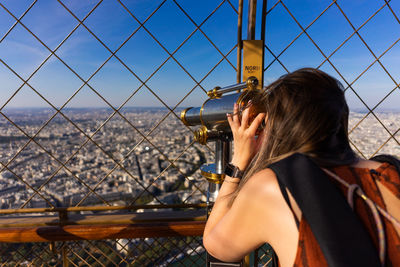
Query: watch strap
[233, 171]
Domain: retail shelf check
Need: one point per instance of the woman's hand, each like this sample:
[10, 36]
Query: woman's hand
[244, 136]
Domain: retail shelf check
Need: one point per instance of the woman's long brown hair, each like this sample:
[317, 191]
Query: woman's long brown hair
[306, 113]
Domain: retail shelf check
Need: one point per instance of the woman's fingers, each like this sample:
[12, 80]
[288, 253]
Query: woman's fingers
[243, 125]
[256, 123]
[230, 120]
[235, 116]
[233, 125]
[245, 117]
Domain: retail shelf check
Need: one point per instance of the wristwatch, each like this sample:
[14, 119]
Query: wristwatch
[233, 171]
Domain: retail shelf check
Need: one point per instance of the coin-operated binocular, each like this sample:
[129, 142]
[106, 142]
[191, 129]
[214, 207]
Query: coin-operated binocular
[212, 118]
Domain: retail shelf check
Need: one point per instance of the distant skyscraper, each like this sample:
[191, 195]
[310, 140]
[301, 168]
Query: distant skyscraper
[139, 169]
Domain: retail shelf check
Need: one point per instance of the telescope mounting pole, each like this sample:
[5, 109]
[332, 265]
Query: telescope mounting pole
[222, 157]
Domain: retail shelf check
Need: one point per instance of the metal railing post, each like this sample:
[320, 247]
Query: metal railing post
[64, 255]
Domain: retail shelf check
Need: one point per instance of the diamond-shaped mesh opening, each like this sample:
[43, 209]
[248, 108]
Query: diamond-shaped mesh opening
[111, 23]
[18, 44]
[113, 75]
[166, 88]
[375, 33]
[366, 137]
[82, 52]
[30, 125]
[351, 68]
[108, 80]
[329, 40]
[373, 85]
[163, 28]
[55, 24]
[150, 56]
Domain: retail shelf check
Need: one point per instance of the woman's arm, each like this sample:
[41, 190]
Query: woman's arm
[258, 215]
[231, 233]
[226, 232]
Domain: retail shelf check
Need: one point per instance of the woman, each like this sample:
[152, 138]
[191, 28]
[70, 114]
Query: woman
[304, 112]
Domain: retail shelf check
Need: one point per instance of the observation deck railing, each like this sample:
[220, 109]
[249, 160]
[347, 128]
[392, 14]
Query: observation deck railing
[132, 238]
[118, 222]
[158, 235]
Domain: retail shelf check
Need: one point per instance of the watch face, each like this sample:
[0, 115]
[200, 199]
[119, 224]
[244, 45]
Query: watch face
[228, 170]
[233, 171]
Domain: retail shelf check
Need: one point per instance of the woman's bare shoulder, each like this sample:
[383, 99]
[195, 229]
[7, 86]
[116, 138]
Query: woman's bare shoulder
[262, 190]
[262, 184]
[279, 225]
[367, 164]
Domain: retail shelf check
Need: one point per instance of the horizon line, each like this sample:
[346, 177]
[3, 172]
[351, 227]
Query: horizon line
[163, 107]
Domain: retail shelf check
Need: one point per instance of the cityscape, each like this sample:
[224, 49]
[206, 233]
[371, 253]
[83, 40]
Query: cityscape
[116, 166]
[94, 156]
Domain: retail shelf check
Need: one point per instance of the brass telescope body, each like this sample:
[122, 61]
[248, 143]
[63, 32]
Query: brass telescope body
[211, 116]
[214, 126]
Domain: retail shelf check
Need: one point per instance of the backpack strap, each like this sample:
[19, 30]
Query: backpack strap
[375, 210]
[340, 234]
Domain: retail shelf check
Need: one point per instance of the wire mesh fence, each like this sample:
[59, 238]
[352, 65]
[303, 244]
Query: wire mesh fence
[153, 151]
[176, 251]
[351, 42]
[111, 135]
[173, 251]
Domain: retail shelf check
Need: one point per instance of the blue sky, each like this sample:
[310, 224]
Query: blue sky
[141, 54]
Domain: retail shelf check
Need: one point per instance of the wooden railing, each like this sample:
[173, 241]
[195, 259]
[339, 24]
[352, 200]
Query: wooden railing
[122, 223]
